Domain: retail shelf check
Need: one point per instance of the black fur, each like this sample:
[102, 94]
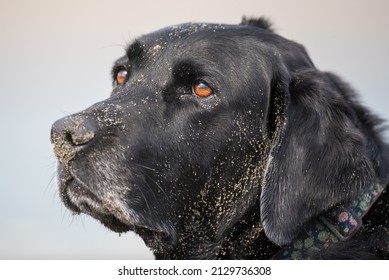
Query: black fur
[236, 174]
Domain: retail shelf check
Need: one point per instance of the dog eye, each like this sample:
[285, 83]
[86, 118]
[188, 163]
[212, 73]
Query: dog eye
[121, 77]
[202, 89]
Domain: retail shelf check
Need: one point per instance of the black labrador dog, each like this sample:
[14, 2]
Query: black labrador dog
[225, 142]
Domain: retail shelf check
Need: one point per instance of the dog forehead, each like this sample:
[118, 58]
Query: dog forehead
[190, 40]
[187, 35]
[184, 30]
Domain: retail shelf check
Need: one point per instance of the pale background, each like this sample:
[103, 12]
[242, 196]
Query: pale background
[55, 59]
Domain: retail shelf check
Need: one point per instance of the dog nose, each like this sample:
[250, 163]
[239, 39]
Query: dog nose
[71, 135]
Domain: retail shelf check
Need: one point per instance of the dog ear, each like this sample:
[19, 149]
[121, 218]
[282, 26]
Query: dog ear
[261, 22]
[318, 155]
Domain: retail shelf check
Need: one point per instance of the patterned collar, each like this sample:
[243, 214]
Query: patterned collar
[340, 223]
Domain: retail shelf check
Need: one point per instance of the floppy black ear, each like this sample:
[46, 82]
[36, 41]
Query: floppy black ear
[318, 157]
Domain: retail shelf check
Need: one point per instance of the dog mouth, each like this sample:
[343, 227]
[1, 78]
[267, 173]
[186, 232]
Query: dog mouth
[78, 198]
[110, 209]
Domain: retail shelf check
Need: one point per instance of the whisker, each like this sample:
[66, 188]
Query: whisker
[159, 187]
[145, 167]
[50, 183]
[145, 200]
[149, 177]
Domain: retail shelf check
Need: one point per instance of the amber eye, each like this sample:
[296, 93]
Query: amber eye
[202, 89]
[121, 77]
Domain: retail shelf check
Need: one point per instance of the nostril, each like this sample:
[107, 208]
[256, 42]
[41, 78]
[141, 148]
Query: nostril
[71, 134]
[68, 138]
[75, 130]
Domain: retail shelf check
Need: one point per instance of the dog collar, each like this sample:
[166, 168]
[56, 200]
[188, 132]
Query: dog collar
[340, 223]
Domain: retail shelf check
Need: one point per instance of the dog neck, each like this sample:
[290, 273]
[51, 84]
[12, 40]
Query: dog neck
[247, 239]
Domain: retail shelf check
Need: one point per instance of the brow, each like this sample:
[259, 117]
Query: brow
[135, 50]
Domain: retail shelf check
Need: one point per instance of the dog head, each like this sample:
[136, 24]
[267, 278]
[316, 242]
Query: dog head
[212, 130]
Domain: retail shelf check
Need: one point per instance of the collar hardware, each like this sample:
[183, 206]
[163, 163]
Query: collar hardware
[342, 222]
